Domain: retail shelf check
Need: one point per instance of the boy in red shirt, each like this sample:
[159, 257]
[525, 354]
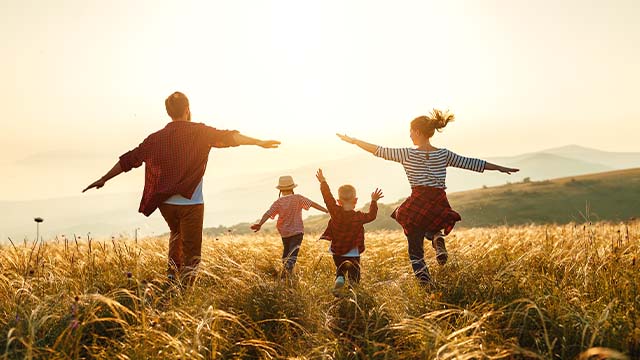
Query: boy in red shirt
[345, 230]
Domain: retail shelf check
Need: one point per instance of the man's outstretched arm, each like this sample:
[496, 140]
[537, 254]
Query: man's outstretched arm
[246, 140]
[115, 171]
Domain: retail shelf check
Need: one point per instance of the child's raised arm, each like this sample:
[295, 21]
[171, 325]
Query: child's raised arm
[373, 207]
[361, 144]
[328, 198]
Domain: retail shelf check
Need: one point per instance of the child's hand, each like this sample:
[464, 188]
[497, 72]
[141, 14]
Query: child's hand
[508, 170]
[256, 227]
[320, 176]
[376, 195]
[346, 138]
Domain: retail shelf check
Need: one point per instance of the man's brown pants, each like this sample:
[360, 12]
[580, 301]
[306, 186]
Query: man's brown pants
[185, 243]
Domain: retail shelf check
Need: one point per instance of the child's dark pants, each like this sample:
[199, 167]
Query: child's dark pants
[291, 246]
[348, 267]
[416, 256]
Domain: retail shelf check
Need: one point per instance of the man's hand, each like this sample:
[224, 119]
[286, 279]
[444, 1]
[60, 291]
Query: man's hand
[97, 184]
[508, 170]
[268, 144]
[346, 138]
[376, 195]
[320, 176]
[256, 227]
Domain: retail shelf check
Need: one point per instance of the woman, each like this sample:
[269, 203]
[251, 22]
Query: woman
[426, 213]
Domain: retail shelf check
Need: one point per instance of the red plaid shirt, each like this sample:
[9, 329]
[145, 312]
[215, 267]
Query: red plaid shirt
[175, 160]
[345, 229]
[426, 210]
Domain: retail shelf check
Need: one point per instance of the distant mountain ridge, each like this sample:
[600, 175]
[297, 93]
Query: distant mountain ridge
[245, 198]
[608, 196]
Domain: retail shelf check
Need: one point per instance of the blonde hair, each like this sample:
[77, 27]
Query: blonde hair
[346, 192]
[436, 120]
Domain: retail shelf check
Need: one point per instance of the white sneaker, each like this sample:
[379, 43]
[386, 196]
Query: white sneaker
[338, 286]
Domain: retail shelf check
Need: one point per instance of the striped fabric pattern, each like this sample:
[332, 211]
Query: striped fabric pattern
[428, 168]
[289, 211]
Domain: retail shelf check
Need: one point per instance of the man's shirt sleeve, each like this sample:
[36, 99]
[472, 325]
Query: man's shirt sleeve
[134, 158]
[220, 138]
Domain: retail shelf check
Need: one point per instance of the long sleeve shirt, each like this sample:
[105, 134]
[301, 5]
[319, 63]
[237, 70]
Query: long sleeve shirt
[428, 168]
[175, 160]
[346, 228]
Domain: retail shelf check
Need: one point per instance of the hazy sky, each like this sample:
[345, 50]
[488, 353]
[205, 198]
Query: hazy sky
[87, 79]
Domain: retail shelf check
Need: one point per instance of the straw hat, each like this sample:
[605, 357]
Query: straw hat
[286, 183]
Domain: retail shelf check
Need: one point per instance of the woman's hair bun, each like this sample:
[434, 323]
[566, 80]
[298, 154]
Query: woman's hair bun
[436, 120]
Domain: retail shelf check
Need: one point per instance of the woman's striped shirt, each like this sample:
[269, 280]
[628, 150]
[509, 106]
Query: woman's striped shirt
[428, 167]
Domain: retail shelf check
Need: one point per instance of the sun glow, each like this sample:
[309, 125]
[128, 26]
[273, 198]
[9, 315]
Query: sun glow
[91, 75]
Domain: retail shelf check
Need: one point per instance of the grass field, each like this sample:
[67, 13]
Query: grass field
[524, 292]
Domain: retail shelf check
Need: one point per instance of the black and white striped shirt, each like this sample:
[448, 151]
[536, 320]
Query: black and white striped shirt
[428, 167]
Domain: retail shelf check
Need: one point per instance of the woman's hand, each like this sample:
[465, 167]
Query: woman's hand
[256, 227]
[507, 170]
[346, 138]
[361, 144]
[376, 195]
[320, 176]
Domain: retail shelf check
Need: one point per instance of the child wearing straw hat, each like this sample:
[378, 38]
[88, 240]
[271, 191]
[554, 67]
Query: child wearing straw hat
[288, 208]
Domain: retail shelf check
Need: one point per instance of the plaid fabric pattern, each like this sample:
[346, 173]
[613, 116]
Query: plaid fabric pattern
[426, 210]
[289, 211]
[175, 160]
[345, 229]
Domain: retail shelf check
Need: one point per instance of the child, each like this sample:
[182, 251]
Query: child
[426, 213]
[345, 230]
[288, 207]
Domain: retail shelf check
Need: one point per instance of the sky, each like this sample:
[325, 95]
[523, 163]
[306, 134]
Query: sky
[85, 81]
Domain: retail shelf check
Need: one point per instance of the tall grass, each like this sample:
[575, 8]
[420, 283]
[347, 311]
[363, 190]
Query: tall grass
[538, 292]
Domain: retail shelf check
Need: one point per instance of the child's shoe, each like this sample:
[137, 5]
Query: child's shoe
[339, 287]
[441, 251]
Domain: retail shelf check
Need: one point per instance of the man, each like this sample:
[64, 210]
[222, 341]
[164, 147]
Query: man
[175, 161]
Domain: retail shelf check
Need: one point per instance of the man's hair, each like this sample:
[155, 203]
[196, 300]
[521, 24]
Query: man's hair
[346, 192]
[176, 104]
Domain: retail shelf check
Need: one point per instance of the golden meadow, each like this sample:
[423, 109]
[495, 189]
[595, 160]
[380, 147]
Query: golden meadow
[537, 292]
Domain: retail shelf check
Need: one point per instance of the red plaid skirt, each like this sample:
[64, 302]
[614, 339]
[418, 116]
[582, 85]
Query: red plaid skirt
[427, 209]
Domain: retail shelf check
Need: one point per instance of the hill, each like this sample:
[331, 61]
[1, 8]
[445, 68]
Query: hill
[235, 194]
[608, 196]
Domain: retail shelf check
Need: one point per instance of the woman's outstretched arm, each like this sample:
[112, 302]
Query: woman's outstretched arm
[490, 166]
[361, 144]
